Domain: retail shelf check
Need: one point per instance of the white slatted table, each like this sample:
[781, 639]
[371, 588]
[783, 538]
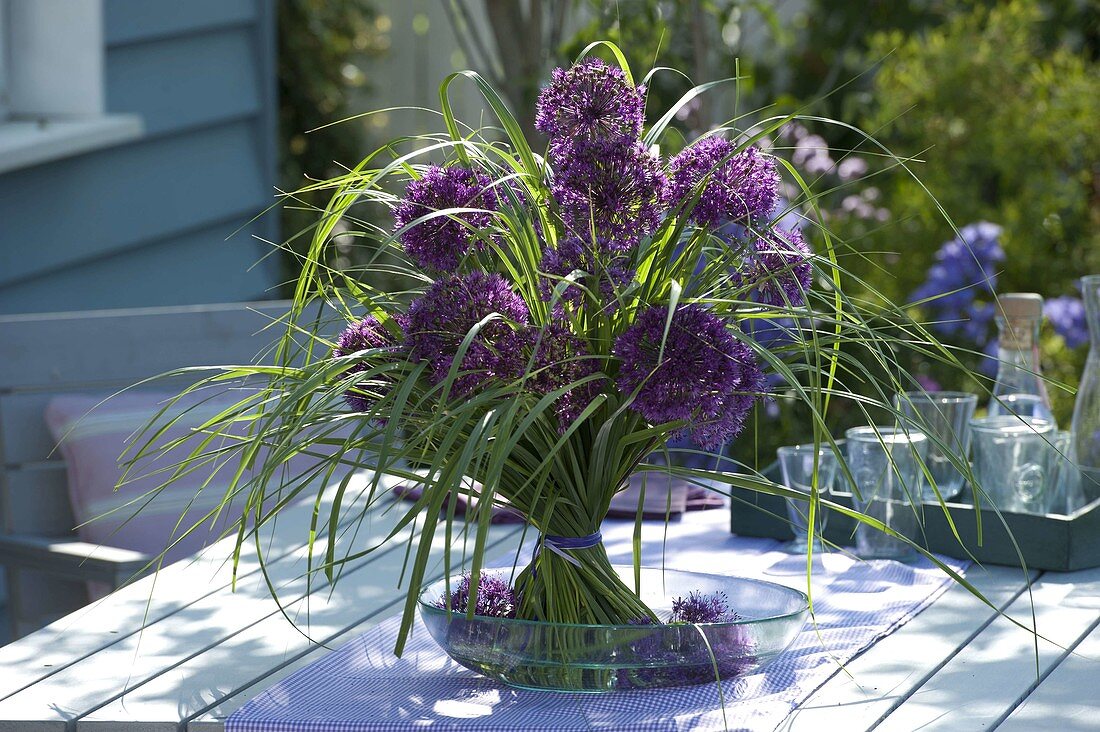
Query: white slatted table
[204, 651]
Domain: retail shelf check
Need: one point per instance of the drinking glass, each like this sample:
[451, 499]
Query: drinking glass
[1086, 408]
[1015, 462]
[1068, 495]
[886, 465]
[944, 416]
[796, 463]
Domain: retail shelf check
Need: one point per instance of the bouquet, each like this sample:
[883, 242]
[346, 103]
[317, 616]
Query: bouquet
[568, 314]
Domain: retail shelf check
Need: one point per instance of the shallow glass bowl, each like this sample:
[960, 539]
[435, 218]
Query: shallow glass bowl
[593, 658]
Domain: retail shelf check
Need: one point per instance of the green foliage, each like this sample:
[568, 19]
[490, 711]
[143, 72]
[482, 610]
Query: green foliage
[321, 47]
[1006, 127]
[1007, 134]
[697, 39]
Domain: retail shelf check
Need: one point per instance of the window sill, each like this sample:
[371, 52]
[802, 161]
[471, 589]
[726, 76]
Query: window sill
[27, 143]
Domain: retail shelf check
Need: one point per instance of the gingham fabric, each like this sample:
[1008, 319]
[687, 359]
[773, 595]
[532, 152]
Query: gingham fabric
[362, 687]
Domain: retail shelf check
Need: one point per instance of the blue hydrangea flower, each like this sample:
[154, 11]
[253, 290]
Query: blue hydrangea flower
[618, 190]
[440, 242]
[366, 334]
[1067, 315]
[740, 189]
[591, 102]
[698, 373]
[438, 321]
[964, 273]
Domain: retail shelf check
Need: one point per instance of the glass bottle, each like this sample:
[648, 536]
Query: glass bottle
[1019, 389]
[1086, 409]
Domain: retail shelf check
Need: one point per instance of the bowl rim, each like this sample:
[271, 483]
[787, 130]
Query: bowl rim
[427, 606]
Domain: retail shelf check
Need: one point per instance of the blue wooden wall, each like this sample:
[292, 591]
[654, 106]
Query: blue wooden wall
[145, 223]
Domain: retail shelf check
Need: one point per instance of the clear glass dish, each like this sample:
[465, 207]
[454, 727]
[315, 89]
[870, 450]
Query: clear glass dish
[593, 658]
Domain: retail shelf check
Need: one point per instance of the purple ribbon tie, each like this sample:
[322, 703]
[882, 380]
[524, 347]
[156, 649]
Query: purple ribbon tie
[558, 545]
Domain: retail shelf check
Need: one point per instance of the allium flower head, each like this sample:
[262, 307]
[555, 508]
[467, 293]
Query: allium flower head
[620, 190]
[364, 335]
[778, 265]
[590, 102]
[440, 242]
[700, 608]
[744, 187]
[495, 598]
[611, 269]
[439, 320]
[704, 376]
[561, 360]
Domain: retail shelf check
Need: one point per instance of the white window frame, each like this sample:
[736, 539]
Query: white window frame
[3, 60]
[52, 69]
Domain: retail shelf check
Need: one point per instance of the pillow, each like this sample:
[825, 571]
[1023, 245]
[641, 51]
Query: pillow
[91, 440]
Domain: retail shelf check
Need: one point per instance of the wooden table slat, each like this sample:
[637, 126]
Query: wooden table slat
[187, 631]
[1068, 700]
[997, 668]
[871, 684]
[270, 648]
[101, 624]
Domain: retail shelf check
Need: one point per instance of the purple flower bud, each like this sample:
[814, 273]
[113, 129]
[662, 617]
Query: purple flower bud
[619, 190]
[494, 597]
[700, 608]
[610, 269]
[561, 360]
[365, 335]
[778, 266]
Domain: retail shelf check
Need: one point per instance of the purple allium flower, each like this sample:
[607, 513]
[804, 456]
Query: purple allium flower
[620, 190]
[590, 102]
[1067, 315]
[611, 269]
[438, 321]
[704, 376]
[743, 187]
[495, 598]
[700, 608]
[778, 266]
[561, 360]
[364, 335]
[439, 243]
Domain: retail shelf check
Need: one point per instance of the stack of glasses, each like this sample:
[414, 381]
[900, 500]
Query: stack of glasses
[1020, 460]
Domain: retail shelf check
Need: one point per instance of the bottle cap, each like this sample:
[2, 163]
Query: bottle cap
[1021, 305]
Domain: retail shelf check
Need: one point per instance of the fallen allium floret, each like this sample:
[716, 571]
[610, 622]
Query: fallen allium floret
[495, 597]
[700, 608]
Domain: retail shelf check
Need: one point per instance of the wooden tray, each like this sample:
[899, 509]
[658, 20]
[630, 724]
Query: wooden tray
[1053, 541]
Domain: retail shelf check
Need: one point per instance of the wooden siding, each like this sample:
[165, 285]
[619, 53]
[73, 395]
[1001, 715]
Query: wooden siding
[146, 223]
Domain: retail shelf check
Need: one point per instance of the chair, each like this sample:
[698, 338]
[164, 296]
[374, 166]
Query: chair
[43, 356]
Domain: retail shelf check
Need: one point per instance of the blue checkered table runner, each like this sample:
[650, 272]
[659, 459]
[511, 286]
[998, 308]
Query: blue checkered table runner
[362, 687]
